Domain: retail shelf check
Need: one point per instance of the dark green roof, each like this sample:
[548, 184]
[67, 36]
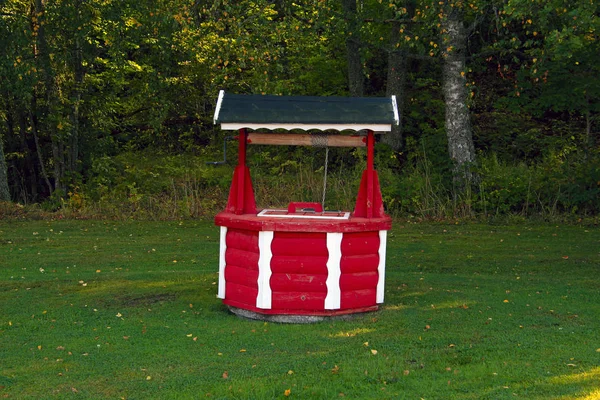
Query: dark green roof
[236, 111]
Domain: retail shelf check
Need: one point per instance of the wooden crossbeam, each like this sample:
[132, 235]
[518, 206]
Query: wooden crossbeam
[304, 139]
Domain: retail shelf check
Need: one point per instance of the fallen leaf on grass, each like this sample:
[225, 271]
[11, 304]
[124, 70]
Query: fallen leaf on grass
[373, 351]
[287, 392]
[335, 369]
[225, 375]
[290, 372]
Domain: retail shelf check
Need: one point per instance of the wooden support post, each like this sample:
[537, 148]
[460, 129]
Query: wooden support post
[370, 172]
[242, 171]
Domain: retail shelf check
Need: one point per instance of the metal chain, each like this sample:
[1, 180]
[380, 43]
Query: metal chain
[325, 177]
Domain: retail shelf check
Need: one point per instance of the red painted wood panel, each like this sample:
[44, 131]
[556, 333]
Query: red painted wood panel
[254, 223]
[241, 294]
[299, 244]
[299, 265]
[358, 298]
[241, 276]
[360, 243]
[360, 263]
[241, 258]
[298, 283]
[365, 280]
[306, 301]
[242, 239]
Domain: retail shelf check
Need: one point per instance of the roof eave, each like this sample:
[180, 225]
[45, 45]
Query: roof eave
[379, 128]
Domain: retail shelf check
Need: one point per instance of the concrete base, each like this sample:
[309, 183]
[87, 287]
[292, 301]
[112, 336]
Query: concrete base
[292, 319]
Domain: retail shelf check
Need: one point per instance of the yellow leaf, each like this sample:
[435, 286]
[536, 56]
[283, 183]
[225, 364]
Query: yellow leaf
[505, 301]
[366, 344]
[242, 350]
[373, 351]
[225, 375]
[287, 392]
[290, 372]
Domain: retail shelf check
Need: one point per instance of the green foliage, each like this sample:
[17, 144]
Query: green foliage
[93, 92]
[145, 185]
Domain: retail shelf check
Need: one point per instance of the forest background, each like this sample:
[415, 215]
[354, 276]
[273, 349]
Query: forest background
[106, 106]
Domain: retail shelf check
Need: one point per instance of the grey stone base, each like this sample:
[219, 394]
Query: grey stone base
[292, 319]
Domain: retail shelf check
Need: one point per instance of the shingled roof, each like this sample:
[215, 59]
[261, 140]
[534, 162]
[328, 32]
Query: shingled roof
[236, 111]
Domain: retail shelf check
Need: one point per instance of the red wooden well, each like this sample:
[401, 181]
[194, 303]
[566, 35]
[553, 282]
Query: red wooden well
[301, 261]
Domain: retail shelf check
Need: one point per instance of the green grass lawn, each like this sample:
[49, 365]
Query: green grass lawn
[93, 309]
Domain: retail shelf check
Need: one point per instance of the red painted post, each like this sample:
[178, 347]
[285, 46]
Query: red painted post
[370, 169]
[242, 137]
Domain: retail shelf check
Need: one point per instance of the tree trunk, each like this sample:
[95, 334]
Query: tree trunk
[38, 149]
[397, 75]
[42, 56]
[458, 121]
[355, 71]
[396, 84]
[76, 100]
[4, 190]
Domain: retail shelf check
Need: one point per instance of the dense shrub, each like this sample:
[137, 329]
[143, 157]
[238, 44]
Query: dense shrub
[163, 186]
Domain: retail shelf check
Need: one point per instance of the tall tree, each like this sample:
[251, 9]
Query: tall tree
[353, 49]
[397, 71]
[458, 119]
[4, 190]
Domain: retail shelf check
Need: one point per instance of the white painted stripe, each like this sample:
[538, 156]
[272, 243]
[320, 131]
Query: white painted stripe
[263, 300]
[338, 127]
[218, 108]
[222, 250]
[381, 266]
[395, 107]
[334, 247]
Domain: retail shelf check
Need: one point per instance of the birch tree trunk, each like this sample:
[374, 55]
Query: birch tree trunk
[355, 71]
[458, 121]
